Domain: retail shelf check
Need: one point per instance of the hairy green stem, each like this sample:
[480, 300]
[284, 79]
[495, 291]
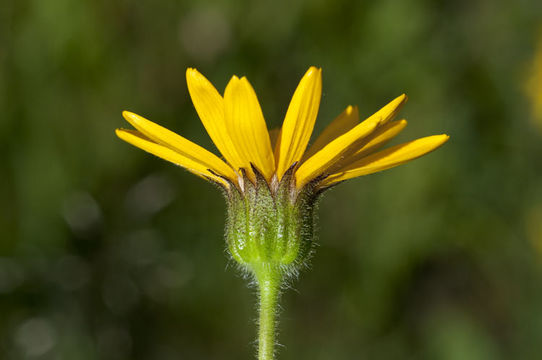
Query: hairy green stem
[269, 280]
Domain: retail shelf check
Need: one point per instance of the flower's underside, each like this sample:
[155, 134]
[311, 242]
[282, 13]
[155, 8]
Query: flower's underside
[346, 149]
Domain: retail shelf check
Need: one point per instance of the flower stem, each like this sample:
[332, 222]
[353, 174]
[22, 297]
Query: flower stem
[269, 279]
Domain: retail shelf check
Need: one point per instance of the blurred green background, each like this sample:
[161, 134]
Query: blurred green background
[109, 253]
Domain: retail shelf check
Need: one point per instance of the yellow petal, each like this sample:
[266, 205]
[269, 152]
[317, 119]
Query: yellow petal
[196, 167]
[389, 158]
[210, 108]
[246, 125]
[381, 136]
[340, 125]
[179, 144]
[299, 120]
[334, 151]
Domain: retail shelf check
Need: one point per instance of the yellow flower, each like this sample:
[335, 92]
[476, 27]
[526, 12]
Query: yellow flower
[272, 180]
[346, 148]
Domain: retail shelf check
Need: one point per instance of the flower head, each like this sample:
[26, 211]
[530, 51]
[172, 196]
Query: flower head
[272, 182]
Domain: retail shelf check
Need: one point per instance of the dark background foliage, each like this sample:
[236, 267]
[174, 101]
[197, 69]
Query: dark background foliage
[109, 253]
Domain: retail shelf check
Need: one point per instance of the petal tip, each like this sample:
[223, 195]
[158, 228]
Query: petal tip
[232, 85]
[313, 70]
[193, 74]
[131, 117]
[244, 81]
[121, 133]
[403, 98]
[440, 140]
[235, 80]
[128, 115]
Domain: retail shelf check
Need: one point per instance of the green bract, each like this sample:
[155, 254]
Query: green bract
[271, 224]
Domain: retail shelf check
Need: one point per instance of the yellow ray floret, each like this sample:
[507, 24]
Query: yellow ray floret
[299, 121]
[193, 165]
[389, 158]
[246, 124]
[184, 147]
[209, 105]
